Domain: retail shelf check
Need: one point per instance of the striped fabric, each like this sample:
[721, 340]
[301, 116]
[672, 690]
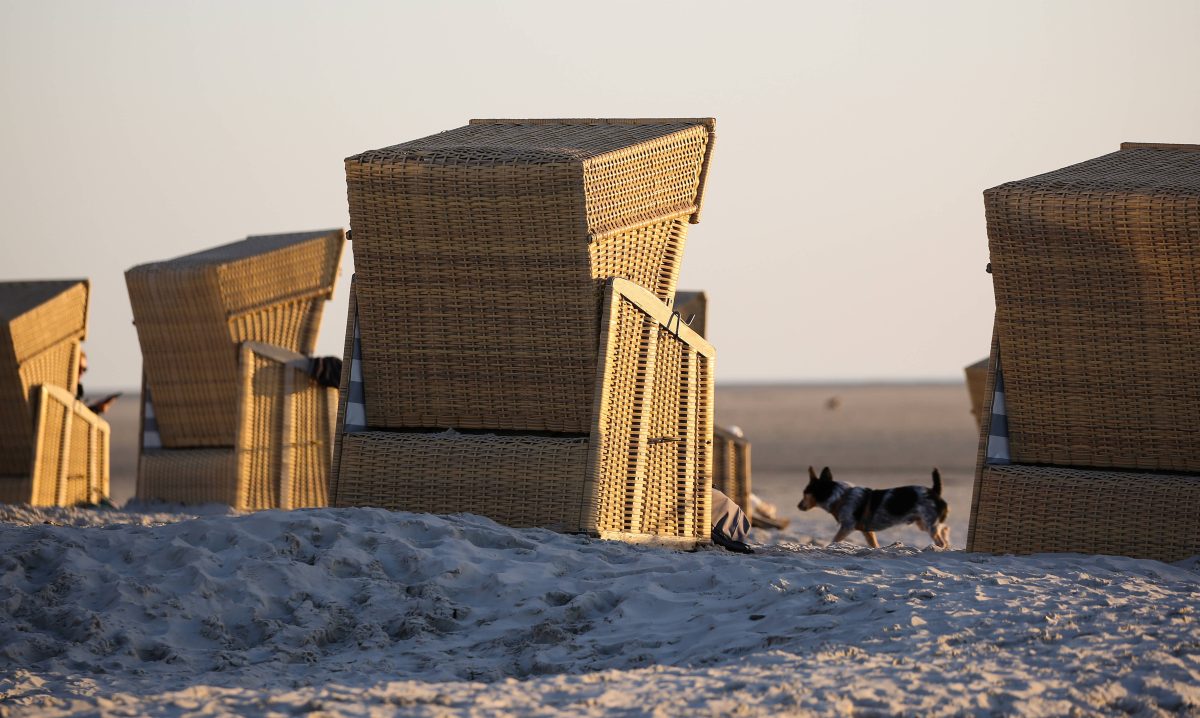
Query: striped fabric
[150, 435]
[356, 409]
[997, 445]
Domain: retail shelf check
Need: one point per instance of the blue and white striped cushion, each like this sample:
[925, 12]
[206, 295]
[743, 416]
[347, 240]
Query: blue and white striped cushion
[356, 406]
[997, 445]
[150, 436]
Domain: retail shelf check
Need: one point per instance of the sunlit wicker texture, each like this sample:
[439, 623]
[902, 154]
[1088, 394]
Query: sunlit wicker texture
[69, 463]
[731, 466]
[192, 312]
[41, 326]
[1096, 269]
[486, 247]
[284, 443]
[640, 474]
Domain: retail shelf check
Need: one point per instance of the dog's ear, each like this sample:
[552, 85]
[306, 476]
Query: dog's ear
[812, 475]
[826, 474]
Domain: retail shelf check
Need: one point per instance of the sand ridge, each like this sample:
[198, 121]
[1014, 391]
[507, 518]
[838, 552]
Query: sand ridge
[362, 609]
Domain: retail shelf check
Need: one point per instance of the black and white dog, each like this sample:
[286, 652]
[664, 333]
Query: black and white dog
[869, 510]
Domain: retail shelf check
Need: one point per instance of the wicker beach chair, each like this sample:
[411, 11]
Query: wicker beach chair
[487, 248]
[229, 414]
[53, 450]
[1088, 440]
[641, 472]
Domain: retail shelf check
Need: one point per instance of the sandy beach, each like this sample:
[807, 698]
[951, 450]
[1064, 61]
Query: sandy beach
[370, 612]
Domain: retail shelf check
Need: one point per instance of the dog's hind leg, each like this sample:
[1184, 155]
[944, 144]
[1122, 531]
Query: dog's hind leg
[871, 540]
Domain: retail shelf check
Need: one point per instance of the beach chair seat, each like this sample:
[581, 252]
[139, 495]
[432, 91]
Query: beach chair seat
[1027, 508]
[284, 444]
[486, 248]
[228, 413]
[641, 472]
[1090, 405]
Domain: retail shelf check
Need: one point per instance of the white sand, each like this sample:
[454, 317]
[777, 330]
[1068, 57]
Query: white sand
[364, 611]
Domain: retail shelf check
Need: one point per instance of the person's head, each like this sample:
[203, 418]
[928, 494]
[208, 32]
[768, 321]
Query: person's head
[82, 362]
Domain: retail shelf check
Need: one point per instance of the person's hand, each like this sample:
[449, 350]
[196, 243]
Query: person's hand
[101, 406]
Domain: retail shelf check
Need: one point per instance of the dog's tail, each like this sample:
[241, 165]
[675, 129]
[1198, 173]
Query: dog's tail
[943, 509]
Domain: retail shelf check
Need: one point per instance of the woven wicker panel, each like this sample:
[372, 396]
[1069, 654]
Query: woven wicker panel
[100, 452]
[653, 441]
[976, 381]
[497, 339]
[70, 458]
[648, 255]
[188, 476]
[51, 461]
[1095, 269]
[290, 325]
[286, 435]
[616, 501]
[670, 473]
[1034, 509]
[485, 249]
[695, 384]
[80, 469]
[731, 466]
[57, 365]
[193, 311]
[41, 325]
[516, 480]
[16, 489]
[37, 315]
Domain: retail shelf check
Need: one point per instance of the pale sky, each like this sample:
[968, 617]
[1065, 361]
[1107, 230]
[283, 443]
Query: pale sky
[843, 235]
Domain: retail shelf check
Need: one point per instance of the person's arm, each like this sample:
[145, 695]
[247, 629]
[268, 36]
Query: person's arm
[102, 405]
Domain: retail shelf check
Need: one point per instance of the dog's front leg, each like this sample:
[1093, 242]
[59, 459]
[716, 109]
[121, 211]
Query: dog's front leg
[942, 539]
[843, 532]
[871, 540]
